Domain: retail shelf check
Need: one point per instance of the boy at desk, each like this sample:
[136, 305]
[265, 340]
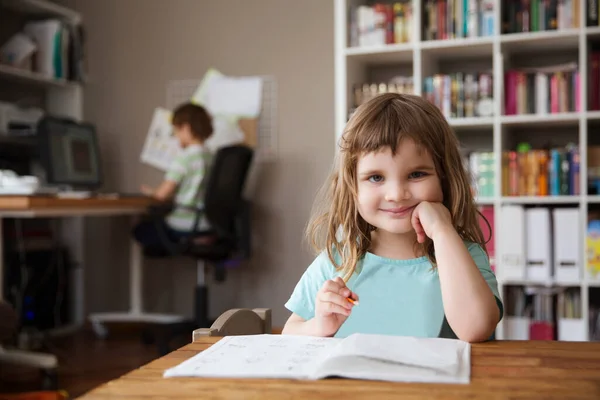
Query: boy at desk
[185, 180]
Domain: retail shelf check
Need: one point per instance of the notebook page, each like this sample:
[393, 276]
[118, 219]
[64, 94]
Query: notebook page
[257, 356]
[398, 358]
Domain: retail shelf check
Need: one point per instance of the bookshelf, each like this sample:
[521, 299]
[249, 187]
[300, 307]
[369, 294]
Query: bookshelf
[42, 8]
[58, 96]
[55, 96]
[495, 53]
[34, 78]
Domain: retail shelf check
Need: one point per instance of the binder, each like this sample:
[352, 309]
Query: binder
[512, 243]
[517, 309]
[571, 326]
[572, 330]
[567, 240]
[542, 325]
[517, 328]
[538, 242]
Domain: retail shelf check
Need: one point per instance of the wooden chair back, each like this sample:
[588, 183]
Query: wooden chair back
[238, 321]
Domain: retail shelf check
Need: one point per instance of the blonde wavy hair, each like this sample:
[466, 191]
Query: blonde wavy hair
[336, 225]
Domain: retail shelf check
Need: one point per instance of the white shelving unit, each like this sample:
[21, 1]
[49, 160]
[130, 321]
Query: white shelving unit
[60, 98]
[424, 58]
[42, 8]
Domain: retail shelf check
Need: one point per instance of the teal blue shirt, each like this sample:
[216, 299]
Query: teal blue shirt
[396, 297]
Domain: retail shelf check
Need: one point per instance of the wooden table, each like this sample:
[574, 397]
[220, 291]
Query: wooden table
[500, 370]
[49, 206]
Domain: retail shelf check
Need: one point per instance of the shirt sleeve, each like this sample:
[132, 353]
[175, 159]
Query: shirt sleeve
[177, 170]
[483, 263]
[302, 300]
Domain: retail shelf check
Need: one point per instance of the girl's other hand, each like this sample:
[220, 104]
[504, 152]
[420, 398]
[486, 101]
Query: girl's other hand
[429, 218]
[332, 307]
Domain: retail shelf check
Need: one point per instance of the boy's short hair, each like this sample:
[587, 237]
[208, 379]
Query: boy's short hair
[196, 117]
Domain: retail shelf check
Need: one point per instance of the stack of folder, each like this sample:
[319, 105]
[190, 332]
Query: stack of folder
[541, 244]
[544, 313]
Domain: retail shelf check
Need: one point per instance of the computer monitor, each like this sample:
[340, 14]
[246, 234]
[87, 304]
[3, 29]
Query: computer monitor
[69, 153]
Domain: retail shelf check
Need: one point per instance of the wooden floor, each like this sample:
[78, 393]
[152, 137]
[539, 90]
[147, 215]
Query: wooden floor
[85, 362]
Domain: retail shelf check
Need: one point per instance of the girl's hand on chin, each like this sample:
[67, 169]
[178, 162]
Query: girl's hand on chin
[428, 219]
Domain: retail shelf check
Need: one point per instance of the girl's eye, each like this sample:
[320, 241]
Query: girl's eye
[375, 178]
[417, 175]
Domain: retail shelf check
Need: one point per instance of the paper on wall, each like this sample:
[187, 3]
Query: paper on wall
[200, 96]
[235, 96]
[161, 147]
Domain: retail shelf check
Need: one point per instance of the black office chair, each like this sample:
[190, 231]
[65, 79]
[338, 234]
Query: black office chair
[227, 242]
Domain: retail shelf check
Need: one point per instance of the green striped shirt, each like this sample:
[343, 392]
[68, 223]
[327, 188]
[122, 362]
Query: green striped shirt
[189, 170]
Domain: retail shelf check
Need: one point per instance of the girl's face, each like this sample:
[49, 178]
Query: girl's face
[390, 187]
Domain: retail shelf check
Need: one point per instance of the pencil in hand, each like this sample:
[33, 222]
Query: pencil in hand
[351, 300]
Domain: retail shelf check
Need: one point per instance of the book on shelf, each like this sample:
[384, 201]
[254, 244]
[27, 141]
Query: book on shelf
[594, 323]
[363, 92]
[594, 78]
[536, 313]
[460, 94]
[569, 304]
[381, 24]
[591, 13]
[593, 246]
[58, 51]
[530, 313]
[480, 165]
[553, 89]
[532, 172]
[593, 170]
[540, 15]
[454, 19]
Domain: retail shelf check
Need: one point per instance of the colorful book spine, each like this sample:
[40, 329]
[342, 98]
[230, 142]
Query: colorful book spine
[531, 172]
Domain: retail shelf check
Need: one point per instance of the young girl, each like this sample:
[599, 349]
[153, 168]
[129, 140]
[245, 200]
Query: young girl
[399, 229]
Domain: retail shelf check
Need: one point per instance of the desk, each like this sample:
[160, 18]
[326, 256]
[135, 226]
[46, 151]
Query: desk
[75, 210]
[500, 369]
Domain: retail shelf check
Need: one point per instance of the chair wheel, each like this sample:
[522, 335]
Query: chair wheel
[49, 379]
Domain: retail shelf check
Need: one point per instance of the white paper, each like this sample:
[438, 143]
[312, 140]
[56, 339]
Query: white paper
[200, 96]
[399, 359]
[161, 147]
[359, 356]
[257, 356]
[241, 97]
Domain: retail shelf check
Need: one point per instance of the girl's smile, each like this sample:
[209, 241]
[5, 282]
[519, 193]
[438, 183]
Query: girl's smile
[399, 212]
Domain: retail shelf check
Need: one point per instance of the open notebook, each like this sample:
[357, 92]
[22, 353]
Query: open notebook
[359, 356]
